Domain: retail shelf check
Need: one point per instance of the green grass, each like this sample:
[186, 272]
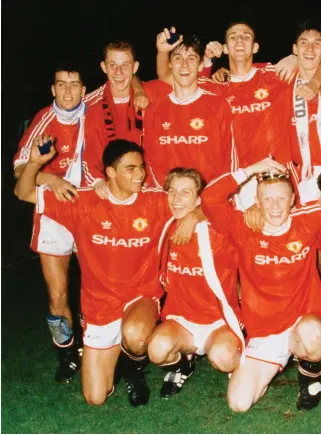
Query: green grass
[33, 403]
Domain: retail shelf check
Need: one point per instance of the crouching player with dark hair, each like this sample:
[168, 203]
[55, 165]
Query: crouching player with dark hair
[200, 281]
[117, 249]
[280, 285]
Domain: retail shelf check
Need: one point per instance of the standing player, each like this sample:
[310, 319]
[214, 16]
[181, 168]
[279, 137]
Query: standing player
[190, 127]
[112, 107]
[200, 282]
[280, 284]
[64, 120]
[120, 306]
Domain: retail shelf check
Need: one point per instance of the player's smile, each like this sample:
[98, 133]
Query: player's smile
[182, 197]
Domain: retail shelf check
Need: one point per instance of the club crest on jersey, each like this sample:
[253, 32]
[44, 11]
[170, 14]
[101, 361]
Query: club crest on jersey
[140, 224]
[65, 149]
[294, 247]
[173, 255]
[166, 125]
[264, 244]
[106, 225]
[197, 123]
[261, 93]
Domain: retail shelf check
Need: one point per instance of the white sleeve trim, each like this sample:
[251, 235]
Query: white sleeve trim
[239, 176]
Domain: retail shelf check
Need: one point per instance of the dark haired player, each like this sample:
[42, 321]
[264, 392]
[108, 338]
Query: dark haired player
[64, 120]
[280, 285]
[120, 304]
[189, 127]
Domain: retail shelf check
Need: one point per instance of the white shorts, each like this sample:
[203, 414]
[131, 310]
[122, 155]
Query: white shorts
[199, 332]
[273, 349]
[106, 336]
[49, 237]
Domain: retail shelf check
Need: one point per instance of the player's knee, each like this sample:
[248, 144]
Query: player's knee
[224, 357]
[95, 399]
[309, 334]
[239, 401]
[159, 348]
[135, 334]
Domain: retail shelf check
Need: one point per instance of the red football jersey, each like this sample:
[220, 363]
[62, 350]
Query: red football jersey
[195, 134]
[188, 293]
[249, 98]
[45, 122]
[279, 278]
[96, 118]
[117, 247]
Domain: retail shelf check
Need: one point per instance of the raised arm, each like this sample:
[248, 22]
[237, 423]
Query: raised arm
[163, 49]
[25, 188]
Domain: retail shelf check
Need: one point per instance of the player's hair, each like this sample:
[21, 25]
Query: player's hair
[119, 46]
[69, 67]
[319, 182]
[116, 149]
[190, 41]
[191, 173]
[306, 26]
[246, 23]
[284, 180]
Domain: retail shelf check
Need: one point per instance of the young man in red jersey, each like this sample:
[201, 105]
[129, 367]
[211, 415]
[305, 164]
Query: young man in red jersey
[65, 121]
[113, 109]
[280, 285]
[120, 305]
[200, 282]
[189, 127]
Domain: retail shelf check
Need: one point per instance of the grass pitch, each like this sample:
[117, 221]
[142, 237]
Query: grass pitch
[32, 402]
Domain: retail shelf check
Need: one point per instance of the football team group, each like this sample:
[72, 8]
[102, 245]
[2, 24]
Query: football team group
[192, 203]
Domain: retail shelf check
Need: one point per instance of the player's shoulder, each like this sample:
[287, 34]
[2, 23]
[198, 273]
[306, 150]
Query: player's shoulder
[95, 96]
[215, 101]
[44, 114]
[303, 211]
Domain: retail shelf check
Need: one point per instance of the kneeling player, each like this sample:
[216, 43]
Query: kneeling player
[117, 249]
[200, 280]
[280, 284]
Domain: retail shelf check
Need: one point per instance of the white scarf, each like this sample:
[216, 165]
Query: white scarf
[70, 117]
[213, 281]
[301, 114]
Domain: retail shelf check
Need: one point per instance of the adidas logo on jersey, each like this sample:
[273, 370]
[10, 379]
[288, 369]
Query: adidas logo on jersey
[254, 107]
[184, 270]
[166, 125]
[106, 225]
[166, 140]
[99, 239]
[65, 149]
[264, 244]
[173, 255]
[265, 259]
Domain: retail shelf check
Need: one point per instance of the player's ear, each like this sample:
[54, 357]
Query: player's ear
[53, 90]
[103, 66]
[83, 91]
[110, 172]
[295, 49]
[255, 47]
[198, 201]
[136, 66]
[225, 50]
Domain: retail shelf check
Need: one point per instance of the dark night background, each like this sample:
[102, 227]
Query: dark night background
[37, 34]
